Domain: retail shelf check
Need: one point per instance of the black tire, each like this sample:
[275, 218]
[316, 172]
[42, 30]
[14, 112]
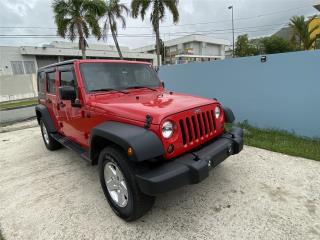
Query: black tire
[137, 202]
[51, 143]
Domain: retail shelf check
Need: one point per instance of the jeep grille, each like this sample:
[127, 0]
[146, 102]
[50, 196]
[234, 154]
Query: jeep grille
[197, 126]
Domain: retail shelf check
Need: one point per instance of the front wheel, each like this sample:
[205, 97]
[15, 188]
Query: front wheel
[119, 185]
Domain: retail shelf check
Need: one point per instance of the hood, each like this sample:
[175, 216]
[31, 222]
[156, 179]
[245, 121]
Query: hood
[136, 106]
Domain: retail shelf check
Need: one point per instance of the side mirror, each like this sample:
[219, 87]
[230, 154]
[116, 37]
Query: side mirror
[67, 93]
[162, 83]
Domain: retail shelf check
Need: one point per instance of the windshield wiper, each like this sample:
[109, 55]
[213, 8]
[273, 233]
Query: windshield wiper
[136, 87]
[108, 89]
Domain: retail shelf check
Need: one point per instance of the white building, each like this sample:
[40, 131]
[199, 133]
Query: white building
[190, 48]
[228, 51]
[27, 59]
[18, 65]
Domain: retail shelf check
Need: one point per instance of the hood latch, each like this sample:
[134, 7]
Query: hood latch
[148, 121]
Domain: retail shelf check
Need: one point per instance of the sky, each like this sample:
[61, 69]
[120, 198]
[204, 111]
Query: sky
[209, 17]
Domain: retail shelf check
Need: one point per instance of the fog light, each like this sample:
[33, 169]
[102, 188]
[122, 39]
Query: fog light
[170, 148]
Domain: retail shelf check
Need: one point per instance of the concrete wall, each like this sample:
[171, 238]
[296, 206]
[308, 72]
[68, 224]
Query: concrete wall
[14, 87]
[8, 54]
[282, 93]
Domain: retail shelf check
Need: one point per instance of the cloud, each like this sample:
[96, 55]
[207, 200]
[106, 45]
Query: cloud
[255, 17]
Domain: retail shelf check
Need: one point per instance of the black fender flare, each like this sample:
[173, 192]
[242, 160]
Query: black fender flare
[43, 113]
[228, 115]
[145, 144]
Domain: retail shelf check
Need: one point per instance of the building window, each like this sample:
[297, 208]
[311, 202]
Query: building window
[187, 45]
[29, 67]
[17, 67]
[51, 83]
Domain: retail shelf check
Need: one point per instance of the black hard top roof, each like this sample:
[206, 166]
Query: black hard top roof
[57, 64]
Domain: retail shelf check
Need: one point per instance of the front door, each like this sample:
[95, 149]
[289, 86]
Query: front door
[70, 116]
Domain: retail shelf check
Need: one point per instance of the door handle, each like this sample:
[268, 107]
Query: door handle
[49, 101]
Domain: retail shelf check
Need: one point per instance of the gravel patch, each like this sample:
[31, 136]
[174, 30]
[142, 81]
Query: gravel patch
[257, 194]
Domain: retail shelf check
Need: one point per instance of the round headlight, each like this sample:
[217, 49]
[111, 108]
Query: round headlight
[217, 111]
[167, 129]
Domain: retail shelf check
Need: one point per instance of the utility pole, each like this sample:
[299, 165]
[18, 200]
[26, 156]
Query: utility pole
[231, 7]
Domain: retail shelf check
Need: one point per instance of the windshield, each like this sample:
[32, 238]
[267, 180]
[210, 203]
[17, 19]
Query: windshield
[117, 76]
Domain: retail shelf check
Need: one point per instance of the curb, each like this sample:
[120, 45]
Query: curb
[18, 125]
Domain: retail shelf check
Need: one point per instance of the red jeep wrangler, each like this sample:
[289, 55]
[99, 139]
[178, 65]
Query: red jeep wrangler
[144, 139]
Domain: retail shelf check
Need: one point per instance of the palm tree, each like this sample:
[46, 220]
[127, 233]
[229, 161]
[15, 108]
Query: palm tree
[74, 18]
[140, 7]
[114, 10]
[302, 30]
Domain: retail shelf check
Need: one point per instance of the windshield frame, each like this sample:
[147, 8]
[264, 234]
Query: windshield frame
[148, 65]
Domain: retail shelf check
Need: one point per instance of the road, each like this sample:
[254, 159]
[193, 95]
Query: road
[18, 114]
[257, 194]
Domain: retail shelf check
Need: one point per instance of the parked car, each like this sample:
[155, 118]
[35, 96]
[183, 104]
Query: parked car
[144, 139]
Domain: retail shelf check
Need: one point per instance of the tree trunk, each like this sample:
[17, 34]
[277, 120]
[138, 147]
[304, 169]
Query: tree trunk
[158, 42]
[82, 43]
[115, 40]
[83, 48]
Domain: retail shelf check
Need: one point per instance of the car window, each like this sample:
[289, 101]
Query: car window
[117, 76]
[41, 85]
[51, 83]
[142, 76]
[66, 78]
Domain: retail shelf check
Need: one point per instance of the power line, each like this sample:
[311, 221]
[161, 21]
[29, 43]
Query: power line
[178, 34]
[172, 25]
[184, 32]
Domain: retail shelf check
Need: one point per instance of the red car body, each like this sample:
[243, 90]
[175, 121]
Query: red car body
[76, 123]
[146, 140]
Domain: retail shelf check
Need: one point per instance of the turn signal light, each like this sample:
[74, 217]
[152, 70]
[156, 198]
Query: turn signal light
[130, 151]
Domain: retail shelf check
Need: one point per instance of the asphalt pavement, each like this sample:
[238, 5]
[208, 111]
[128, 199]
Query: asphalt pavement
[18, 114]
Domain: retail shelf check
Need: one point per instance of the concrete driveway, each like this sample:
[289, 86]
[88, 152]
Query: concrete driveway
[255, 195]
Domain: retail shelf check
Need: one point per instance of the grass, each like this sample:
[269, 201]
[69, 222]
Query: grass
[18, 103]
[281, 141]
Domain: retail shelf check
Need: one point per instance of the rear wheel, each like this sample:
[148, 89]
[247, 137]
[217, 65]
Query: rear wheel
[118, 182]
[49, 141]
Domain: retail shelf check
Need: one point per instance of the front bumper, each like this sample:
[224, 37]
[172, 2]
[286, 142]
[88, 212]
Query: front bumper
[192, 167]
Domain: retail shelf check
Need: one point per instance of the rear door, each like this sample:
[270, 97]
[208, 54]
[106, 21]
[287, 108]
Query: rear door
[51, 94]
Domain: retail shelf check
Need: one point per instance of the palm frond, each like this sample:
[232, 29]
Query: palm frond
[71, 32]
[123, 21]
[85, 29]
[94, 25]
[60, 8]
[105, 31]
[113, 24]
[313, 29]
[139, 7]
[172, 6]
